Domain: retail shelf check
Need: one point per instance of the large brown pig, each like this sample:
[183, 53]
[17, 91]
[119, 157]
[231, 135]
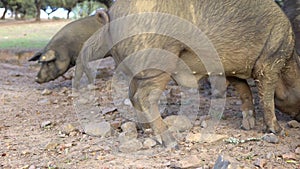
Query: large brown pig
[254, 39]
[61, 52]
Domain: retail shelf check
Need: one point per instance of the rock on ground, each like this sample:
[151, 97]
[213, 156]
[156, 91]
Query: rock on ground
[102, 129]
[178, 123]
[131, 146]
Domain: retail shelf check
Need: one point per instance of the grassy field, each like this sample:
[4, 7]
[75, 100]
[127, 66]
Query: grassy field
[28, 34]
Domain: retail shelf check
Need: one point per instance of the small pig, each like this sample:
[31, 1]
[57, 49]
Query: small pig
[61, 52]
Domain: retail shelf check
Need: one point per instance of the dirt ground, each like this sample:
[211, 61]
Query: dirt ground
[34, 119]
[41, 127]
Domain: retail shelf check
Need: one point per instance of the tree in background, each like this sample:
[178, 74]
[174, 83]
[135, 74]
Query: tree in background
[50, 6]
[26, 8]
[86, 8]
[4, 4]
[17, 7]
[69, 5]
[32, 8]
[38, 6]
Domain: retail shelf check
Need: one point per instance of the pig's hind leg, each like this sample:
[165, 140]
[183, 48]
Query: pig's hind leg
[145, 94]
[247, 107]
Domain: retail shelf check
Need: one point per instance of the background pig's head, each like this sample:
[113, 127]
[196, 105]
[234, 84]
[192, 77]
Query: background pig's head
[61, 52]
[51, 66]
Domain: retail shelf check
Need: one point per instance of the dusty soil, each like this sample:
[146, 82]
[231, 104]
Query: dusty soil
[34, 118]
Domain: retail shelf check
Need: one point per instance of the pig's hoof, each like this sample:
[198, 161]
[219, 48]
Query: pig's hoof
[276, 129]
[248, 120]
[169, 140]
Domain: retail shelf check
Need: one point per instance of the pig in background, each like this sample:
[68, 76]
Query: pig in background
[61, 52]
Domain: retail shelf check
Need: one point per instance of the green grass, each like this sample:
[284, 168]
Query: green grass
[23, 44]
[27, 35]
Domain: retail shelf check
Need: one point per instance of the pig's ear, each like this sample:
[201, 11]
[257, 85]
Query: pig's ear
[48, 56]
[36, 56]
[103, 15]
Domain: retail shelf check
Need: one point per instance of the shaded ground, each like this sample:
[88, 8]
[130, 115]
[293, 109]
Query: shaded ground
[34, 129]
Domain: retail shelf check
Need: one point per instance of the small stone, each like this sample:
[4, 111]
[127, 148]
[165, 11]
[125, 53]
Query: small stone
[73, 133]
[148, 131]
[63, 91]
[68, 128]
[74, 94]
[110, 117]
[46, 92]
[270, 138]
[25, 167]
[197, 123]
[270, 156]
[127, 136]
[127, 102]
[189, 162]
[108, 110]
[51, 146]
[297, 151]
[149, 143]
[102, 129]
[44, 102]
[129, 127]
[32, 167]
[239, 102]
[25, 152]
[221, 163]
[68, 145]
[92, 87]
[203, 124]
[131, 146]
[55, 101]
[178, 123]
[82, 101]
[46, 124]
[260, 163]
[293, 124]
[116, 124]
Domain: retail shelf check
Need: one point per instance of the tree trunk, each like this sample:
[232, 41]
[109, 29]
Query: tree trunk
[38, 5]
[17, 11]
[23, 15]
[5, 5]
[16, 15]
[38, 15]
[4, 13]
[68, 15]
